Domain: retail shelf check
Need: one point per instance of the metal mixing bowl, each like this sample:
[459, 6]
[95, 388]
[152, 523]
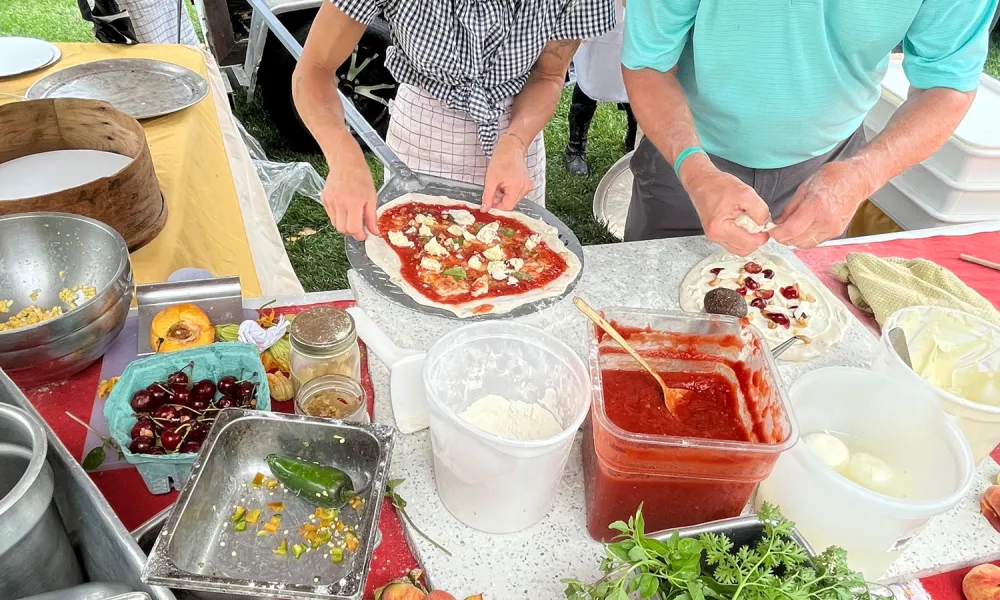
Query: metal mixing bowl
[49, 252]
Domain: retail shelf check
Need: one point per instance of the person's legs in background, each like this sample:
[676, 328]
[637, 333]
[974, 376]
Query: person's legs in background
[581, 113]
[633, 127]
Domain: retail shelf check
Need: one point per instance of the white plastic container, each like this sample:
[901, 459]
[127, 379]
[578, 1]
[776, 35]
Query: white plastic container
[490, 483]
[972, 156]
[979, 422]
[938, 194]
[898, 422]
[910, 214]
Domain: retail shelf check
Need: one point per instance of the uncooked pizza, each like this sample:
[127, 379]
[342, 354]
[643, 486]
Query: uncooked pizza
[449, 254]
[782, 300]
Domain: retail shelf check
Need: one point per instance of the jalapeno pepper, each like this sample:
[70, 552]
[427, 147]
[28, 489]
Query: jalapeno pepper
[321, 485]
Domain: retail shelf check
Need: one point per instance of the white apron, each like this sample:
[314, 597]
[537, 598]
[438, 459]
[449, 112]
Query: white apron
[598, 63]
[436, 140]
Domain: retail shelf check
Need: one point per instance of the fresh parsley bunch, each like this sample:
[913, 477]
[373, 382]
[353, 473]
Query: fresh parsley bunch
[710, 568]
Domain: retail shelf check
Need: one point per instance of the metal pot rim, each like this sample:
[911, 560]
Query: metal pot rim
[39, 449]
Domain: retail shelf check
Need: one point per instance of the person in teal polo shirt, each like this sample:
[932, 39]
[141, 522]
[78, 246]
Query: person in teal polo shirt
[756, 107]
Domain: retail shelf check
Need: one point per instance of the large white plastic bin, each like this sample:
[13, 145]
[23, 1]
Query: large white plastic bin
[494, 484]
[912, 214]
[971, 157]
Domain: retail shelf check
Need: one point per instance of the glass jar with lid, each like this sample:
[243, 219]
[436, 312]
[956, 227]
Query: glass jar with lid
[333, 397]
[323, 342]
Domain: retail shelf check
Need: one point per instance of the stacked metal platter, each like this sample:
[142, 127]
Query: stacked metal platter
[139, 87]
[41, 255]
[613, 196]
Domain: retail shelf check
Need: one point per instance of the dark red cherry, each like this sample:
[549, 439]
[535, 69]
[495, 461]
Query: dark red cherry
[142, 401]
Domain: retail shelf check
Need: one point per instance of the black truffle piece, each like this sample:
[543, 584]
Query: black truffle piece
[724, 301]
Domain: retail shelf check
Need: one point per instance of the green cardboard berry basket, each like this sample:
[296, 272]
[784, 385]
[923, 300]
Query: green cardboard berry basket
[161, 473]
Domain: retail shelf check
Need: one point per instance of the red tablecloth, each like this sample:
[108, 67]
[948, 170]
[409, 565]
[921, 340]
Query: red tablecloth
[943, 250]
[132, 502]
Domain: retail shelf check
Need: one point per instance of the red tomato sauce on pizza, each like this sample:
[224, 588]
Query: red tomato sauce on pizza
[454, 255]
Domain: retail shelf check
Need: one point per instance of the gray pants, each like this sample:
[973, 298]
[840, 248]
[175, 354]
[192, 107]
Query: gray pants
[661, 208]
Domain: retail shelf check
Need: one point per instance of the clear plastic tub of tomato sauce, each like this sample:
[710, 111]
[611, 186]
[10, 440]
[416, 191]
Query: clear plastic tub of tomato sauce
[704, 466]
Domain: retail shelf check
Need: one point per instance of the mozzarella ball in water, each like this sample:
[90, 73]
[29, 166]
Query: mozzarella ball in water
[829, 449]
[869, 471]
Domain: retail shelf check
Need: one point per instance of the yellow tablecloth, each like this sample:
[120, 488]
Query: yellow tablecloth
[205, 226]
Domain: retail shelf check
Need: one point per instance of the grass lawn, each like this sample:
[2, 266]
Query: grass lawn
[319, 259]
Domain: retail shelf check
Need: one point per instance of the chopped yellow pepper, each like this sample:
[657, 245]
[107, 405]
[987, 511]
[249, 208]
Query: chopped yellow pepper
[282, 549]
[258, 479]
[253, 516]
[326, 513]
[272, 525]
[276, 506]
[351, 542]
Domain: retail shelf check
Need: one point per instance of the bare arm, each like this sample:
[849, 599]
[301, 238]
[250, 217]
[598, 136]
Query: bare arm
[314, 89]
[824, 205]
[921, 125]
[661, 108]
[533, 107]
[349, 195]
[507, 178]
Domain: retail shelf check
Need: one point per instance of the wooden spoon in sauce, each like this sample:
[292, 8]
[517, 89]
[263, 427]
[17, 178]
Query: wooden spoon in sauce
[671, 396]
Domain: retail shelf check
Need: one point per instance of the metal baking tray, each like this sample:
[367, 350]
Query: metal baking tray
[379, 280]
[221, 298]
[106, 550]
[139, 87]
[198, 550]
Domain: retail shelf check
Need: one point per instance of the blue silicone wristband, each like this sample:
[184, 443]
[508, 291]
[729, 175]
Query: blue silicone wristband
[685, 153]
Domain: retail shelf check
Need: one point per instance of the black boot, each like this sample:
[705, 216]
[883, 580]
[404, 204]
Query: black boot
[581, 112]
[632, 130]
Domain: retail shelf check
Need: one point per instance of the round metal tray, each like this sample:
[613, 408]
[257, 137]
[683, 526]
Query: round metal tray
[613, 195]
[379, 280]
[139, 87]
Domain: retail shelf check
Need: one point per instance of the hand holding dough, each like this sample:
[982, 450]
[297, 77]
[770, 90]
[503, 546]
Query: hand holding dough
[751, 226]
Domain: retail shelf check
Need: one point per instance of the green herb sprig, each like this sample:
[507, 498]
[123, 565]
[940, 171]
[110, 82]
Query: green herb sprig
[711, 568]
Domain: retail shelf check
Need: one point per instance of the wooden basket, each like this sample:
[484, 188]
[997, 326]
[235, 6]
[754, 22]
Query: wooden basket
[130, 201]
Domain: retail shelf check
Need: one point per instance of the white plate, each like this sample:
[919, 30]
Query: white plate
[48, 172]
[21, 55]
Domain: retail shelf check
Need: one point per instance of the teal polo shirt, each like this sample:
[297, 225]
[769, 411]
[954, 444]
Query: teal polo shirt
[772, 83]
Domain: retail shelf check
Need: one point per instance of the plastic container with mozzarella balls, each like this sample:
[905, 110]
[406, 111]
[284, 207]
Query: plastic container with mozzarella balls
[897, 421]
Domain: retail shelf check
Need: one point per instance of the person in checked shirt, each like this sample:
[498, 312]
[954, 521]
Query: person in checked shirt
[478, 81]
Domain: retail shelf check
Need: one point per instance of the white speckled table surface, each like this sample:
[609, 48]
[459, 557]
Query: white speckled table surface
[530, 564]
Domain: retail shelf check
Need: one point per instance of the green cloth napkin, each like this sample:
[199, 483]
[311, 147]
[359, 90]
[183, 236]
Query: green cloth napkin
[881, 286]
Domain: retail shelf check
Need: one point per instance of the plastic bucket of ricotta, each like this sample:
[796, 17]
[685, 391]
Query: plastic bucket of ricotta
[537, 394]
[967, 344]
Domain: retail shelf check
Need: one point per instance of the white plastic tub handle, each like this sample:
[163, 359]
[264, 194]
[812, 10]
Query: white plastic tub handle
[376, 339]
